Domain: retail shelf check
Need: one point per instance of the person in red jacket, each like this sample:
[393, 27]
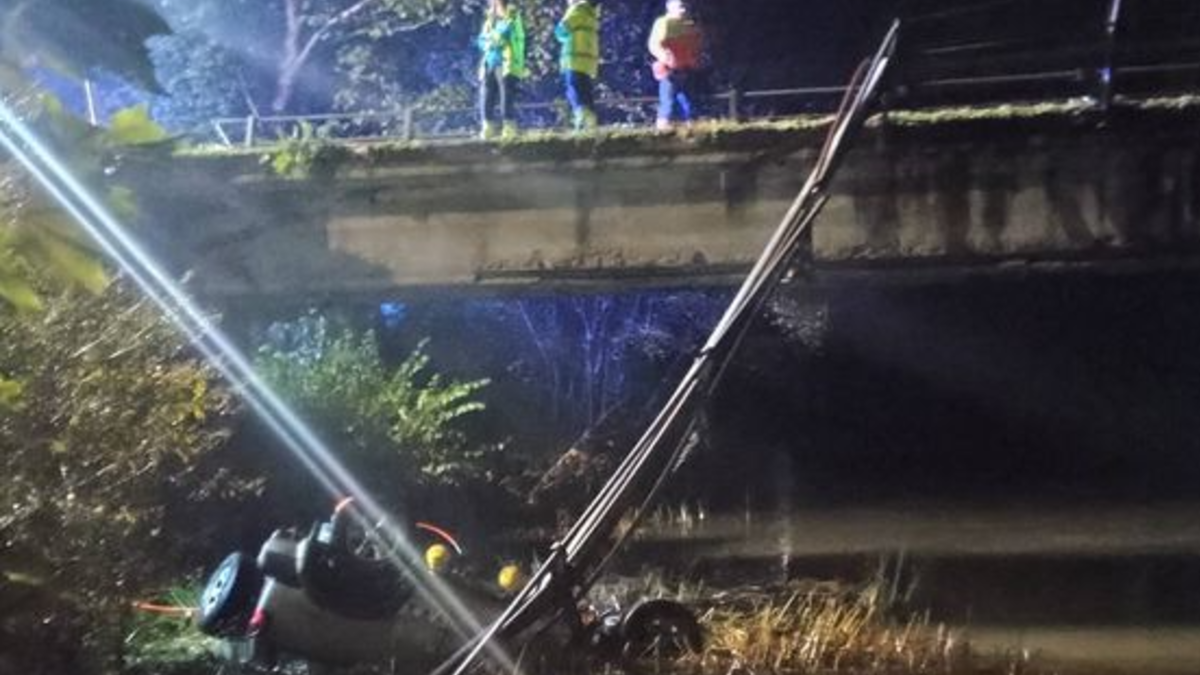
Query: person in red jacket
[676, 42]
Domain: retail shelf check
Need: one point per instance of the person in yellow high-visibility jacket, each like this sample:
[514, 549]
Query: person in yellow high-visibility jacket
[502, 42]
[676, 43]
[579, 34]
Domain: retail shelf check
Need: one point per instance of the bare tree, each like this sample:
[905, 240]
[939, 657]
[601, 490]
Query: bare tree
[311, 24]
[285, 37]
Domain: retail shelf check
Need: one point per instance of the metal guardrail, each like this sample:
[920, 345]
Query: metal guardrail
[417, 123]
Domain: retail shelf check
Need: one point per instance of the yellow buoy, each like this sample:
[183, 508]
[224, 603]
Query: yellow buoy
[510, 578]
[437, 557]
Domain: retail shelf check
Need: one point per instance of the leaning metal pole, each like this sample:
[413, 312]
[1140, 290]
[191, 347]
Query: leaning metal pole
[576, 561]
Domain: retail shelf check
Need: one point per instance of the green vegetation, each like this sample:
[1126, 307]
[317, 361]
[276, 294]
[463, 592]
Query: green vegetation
[38, 238]
[397, 424]
[161, 643]
[115, 443]
[303, 155]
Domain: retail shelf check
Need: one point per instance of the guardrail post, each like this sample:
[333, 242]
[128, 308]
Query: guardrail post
[248, 135]
[735, 104]
[406, 123]
[220, 129]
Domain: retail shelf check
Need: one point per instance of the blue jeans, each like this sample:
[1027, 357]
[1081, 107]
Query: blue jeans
[580, 91]
[497, 91]
[676, 90]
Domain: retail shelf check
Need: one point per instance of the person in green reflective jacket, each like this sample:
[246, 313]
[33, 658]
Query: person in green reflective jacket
[579, 33]
[502, 42]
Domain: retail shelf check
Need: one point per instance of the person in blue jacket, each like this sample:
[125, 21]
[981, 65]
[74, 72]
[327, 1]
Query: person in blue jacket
[502, 66]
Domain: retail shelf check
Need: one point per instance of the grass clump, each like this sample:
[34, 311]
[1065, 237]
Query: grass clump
[824, 630]
[810, 627]
[168, 643]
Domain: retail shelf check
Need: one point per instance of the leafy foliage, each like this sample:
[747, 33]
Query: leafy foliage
[74, 37]
[285, 44]
[305, 154]
[133, 126]
[38, 238]
[117, 434]
[394, 422]
[34, 234]
[201, 80]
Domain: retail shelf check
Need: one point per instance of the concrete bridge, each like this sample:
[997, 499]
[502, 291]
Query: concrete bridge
[920, 195]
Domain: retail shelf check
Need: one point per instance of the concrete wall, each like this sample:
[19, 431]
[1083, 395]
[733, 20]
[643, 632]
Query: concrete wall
[477, 219]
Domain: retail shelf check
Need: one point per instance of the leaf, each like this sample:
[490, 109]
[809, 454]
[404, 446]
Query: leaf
[49, 242]
[133, 126]
[16, 290]
[10, 393]
[75, 265]
[199, 399]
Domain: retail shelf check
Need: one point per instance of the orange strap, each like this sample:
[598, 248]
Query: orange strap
[166, 610]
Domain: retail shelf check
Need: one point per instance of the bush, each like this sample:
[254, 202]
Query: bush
[116, 433]
[386, 422]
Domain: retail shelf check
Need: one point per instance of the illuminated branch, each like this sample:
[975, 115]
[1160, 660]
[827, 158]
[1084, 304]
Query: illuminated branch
[296, 55]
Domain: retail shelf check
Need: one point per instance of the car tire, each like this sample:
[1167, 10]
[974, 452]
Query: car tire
[228, 598]
[660, 628]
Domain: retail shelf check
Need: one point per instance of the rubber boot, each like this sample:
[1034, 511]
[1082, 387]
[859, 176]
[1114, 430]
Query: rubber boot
[489, 131]
[509, 131]
[585, 120]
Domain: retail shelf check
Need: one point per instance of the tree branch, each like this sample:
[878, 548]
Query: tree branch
[333, 22]
[292, 36]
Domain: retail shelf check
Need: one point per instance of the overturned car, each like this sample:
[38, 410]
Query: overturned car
[335, 596]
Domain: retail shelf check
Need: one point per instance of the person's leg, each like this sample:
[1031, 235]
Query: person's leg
[569, 80]
[489, 97]
[508, 106]
[684, 87]
[586, 120]
[666, 103]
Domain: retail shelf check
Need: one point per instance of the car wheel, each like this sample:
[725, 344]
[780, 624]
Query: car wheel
[227, 600]
[661, 628]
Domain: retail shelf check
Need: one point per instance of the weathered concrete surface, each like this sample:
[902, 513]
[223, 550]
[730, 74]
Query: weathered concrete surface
[478, 218]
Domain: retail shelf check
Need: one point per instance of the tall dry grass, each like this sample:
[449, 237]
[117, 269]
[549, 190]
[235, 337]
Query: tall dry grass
[821, 630]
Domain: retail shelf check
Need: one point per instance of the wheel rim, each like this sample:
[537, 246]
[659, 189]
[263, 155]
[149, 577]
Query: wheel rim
[218, 587]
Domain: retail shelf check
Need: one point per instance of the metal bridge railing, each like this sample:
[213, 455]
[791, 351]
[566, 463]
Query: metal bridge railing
[425, 124]
[418, 123]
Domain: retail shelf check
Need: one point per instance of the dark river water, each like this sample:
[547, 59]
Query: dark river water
[1099, 588]
[1020, 452]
